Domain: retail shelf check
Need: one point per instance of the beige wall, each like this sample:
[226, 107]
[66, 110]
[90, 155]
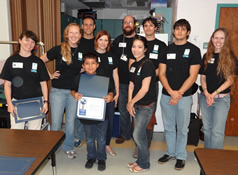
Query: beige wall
[5, 30]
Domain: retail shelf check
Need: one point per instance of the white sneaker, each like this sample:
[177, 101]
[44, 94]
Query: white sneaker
[71, 154]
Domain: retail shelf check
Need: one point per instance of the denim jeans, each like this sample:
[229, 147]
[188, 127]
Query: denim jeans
[125, 119]
[96, 132]
[78, 129]
[142, 118]
[176, 120]
[60, 100]
[110, 114]
[214, 121]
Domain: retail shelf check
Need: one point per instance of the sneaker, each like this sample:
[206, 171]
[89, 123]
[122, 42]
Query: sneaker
[101, 165]
[71, 154]
[179, 164]
[165, 158]
[77, 143]
[89, 163]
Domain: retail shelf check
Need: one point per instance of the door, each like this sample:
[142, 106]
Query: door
[227, 15]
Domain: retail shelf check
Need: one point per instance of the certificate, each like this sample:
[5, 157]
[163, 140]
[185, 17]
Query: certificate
[90, 108]
[28, 109]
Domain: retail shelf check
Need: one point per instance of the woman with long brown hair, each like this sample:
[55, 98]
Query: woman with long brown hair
[218, 79]
[68, 64]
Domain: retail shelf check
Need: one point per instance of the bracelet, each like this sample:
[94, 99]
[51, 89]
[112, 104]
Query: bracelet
[46, 101]
[217, 91]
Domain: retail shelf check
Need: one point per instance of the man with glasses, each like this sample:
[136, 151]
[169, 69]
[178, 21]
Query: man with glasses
[121, 46]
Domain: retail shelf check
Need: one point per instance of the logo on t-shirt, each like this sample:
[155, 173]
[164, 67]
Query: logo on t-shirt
[17, 65]
[156, 48]
[110, 61]
[186, 53]
[80, 56]
[138, 73]
[34, 67]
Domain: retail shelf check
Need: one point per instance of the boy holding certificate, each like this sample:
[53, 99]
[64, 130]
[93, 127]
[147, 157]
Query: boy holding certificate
[93, 129]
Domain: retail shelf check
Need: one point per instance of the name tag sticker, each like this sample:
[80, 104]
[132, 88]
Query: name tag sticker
[153, 56]
[211, 61]
[171, 56]
[122, 44]
[132, 70]
[17, 65]
[99, 60]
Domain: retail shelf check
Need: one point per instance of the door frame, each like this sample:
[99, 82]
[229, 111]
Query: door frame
[219, 6]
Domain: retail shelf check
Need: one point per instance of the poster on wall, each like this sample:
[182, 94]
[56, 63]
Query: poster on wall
[158, 3]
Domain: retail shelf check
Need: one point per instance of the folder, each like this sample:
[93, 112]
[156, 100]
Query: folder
[15, 165]
[28, 109]
[92, 106]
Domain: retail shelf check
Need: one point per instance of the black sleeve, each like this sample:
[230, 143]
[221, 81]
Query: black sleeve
[6, 71]
[53, 52]
[202, 71]
[44, 76]
[148, 70]
[110, 86]
[163, 56]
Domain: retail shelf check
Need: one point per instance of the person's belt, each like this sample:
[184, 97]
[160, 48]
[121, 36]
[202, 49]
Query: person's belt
[221, 95]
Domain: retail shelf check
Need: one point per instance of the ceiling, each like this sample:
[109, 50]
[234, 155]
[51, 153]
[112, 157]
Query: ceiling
[99, 4]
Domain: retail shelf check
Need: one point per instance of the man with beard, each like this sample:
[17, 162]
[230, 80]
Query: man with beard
[121, 46]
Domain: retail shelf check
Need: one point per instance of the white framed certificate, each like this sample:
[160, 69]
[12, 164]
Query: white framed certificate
[91, 108]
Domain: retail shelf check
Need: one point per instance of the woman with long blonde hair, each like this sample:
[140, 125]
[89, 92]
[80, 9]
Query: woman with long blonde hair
[68, 64]
[217, 80]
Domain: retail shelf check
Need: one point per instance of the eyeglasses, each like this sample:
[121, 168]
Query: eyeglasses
[128, 23]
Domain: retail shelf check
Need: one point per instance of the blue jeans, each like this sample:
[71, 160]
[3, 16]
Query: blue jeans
[78, 129]
[60, 100]
[214, 121]
[125, 119]
[142, 118]
[96, 132]
[176, 120]
[110, 114]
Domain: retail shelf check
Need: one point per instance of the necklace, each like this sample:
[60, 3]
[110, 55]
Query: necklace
[74, 52]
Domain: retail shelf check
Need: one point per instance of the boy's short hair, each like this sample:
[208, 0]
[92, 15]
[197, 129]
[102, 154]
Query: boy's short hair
[90, 56]
[181, 23]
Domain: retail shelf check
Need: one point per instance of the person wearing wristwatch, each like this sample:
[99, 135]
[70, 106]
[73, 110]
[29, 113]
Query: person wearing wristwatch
[217, 80]
[25, 76]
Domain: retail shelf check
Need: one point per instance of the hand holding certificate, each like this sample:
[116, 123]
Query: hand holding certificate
[92, 105]
[28, 109]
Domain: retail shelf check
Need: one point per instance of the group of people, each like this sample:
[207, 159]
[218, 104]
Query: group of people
[134, 64]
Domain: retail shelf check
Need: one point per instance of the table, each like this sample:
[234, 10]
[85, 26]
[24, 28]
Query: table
[31, 143]
[217, 161]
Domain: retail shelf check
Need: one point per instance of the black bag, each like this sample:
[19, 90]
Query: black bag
[194, 130]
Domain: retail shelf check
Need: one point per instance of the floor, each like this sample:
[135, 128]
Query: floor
[118, 165]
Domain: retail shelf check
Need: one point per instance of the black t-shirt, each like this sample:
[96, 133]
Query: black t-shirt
[213, 80]
[107, 63]
[67, 72]
[25, 74]
[154, 49]
[86, 45]
[138, 71]
[122, 45]
[75, 87]
[178, 59]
